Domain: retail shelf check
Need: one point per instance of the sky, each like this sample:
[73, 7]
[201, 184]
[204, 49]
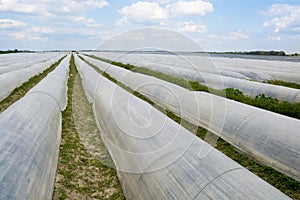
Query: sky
[214, 25]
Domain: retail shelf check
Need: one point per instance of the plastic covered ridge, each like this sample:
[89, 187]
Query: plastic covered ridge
[19, 61]
[31, 131]
[221, 73]
[252, 130]
[156, 158]
[253, 69]
[11, 80]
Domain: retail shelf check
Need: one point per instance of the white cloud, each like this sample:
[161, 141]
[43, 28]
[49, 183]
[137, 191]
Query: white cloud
[279, 9]
[27, 36]
[48, 8]
[161, 11]
[143, 11]
[274, 38]
[229, 37]
[18, 35]
[71, 6]
[192, 27]
[17, 6]
[130, 36]
[285, 18]
[162, 1]
[32, 33]
[88, 22]
[235, 35]
[10, 23]
[95, 3]
[123, 22]
[41, 29]
[196, 7]
[65, 18]
[278, 24]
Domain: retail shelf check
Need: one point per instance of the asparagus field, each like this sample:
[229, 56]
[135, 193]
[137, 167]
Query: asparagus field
[115, 125]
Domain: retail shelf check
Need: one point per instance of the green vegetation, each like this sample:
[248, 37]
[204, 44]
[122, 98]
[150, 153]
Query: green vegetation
[80, 175]
[126, 66]
[258, 53]
[266, 53]
[260, 101]
[295, 54]
[282, 182]
[267, 103]
[285, 84]
[15, 51]
[179, 81]
[19, 92]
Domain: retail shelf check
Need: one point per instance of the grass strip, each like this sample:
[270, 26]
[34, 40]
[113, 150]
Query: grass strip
[80, 175]
[284, 83]
[284, 183]
[20, 91]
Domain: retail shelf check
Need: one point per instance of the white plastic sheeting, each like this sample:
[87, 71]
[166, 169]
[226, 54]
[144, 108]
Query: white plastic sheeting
[158, 159]
[254, 131]
[7, 59]
[249, 88]
[30, 133]
[220, 77]
[23, 60]
[12, 58]
[11, 80]
[259, 70]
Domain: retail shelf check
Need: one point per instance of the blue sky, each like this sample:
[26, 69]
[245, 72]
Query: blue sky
[215, 25]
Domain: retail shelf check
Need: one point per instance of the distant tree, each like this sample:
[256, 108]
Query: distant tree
[282, 53]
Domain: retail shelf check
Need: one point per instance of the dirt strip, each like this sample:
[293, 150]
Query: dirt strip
[84, 170]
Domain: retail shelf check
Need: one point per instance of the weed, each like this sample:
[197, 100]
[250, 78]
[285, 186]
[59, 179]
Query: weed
[283, 83]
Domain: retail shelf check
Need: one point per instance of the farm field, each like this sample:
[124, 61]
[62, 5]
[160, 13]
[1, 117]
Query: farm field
[107, 125]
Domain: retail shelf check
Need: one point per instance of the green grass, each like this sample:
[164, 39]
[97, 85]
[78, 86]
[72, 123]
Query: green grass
[283, 83]
[260, 101]
[282, 182]
[20, 91]
[80, 175]
[267, 103]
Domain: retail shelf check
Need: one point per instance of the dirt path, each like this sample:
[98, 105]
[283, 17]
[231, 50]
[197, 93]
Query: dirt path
[83, 169]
